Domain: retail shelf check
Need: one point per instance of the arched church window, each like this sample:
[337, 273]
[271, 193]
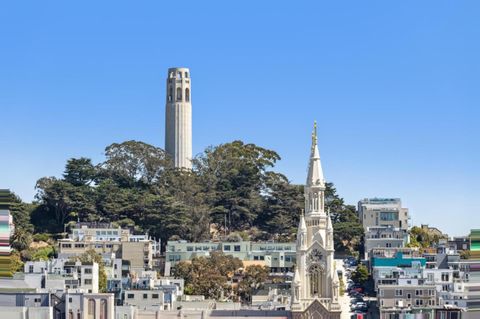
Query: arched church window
[316, 277]
[91, 308]
[103, 309]
[187, 94]
[179, 94]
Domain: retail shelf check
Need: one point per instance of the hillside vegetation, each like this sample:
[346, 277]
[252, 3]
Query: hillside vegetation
[232, 188]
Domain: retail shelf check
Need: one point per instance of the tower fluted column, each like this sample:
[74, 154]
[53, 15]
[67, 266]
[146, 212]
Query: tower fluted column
[178, 117]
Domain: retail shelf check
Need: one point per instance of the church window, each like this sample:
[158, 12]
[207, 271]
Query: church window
[91, 307]
[315, 274]
[187, 94]
[179, 94]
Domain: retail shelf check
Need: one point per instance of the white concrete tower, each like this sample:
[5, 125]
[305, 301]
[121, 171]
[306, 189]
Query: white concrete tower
[178, 117]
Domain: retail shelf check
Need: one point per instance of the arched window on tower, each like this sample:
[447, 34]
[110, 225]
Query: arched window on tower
[170, 94]
[187, 94]
[186, 75]
[179, 94]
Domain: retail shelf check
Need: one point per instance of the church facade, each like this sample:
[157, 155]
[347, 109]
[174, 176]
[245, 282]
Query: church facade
[315, 287]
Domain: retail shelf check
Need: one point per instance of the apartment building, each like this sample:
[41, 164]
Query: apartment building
[280, 257]
[383, 212]
[137, 251]
[384, 237]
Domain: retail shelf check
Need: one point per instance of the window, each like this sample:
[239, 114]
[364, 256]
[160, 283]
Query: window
[409, 296]
[179, 94]
[88, 270]
[398, 292]
[130, 296]
[103, 309]
[154, 296]
[445, 276]
[189, 248]
[226, 247]
[91, 307]
[88, 281]
[170, 94]
[418, 292]
[236, 247]
[145, 296]
[255, 257]
[388, 216]
[37, 300]
[30, 268]
[187, 94]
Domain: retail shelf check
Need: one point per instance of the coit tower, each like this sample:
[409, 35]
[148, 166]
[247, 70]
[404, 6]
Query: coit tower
[178, 117]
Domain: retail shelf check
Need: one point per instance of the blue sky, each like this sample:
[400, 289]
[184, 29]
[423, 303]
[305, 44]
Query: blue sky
[394, 86]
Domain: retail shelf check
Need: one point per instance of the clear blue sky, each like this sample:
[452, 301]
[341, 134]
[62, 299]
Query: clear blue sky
[394, 86]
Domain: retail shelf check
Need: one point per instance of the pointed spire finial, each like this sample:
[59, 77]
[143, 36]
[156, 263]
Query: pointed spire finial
[314, 134]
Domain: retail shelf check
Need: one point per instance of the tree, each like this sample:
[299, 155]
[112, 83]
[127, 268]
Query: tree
[134, 163]
[253, 278]
[283, 204]
[234, 174]
[79, 172]
[21, 239]
[65, 201]
[360, 275]
[208, 276]
[348, 232]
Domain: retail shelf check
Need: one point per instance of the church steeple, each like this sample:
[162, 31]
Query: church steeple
[315, 286]
[315, 187]
[315, 172]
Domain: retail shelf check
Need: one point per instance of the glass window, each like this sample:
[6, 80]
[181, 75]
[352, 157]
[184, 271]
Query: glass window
[130, 296]
[145, 296]
[226, 248]
[189, 248]
[154, 296]
[237, 247]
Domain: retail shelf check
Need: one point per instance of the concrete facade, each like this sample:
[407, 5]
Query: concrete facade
[279, 257]
[383, 212]
[178, 117]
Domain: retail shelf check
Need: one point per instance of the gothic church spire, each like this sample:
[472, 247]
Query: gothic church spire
[315, 172]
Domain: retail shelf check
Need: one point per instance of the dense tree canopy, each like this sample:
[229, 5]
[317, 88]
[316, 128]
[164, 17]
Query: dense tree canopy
[232, 186]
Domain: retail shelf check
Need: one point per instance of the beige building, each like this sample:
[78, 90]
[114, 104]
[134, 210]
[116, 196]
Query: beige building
[394, 299]
[137, 250]
[386, 212]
